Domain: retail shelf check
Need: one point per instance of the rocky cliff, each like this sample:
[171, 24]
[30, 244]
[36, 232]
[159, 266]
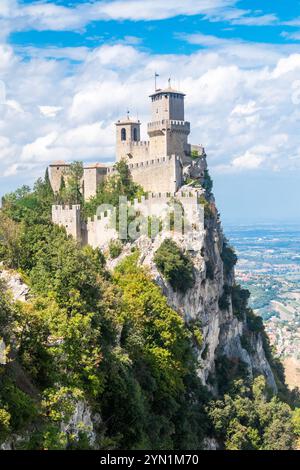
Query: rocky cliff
[225, 334]
[231, 340]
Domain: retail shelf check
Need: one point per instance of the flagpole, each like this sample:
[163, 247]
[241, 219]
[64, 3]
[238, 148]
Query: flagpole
[155, 80]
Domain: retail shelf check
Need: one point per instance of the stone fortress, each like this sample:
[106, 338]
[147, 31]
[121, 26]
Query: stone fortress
[162, 165]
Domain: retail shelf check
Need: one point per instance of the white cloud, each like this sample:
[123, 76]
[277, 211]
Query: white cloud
[287, 65]
[259, 20]
[7, 57]
[295, 35]
[245, 53]
[245, 109]
[50, 16]
[249, 161]
[70, 53]
[240, 107]
[50, 111]
[293, 22]
[137, 10]
[40, 149]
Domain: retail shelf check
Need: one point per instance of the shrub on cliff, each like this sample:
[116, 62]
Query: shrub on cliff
[208, 182]
[240, 299]
[229, 258]
[115, 248]
[175, 266]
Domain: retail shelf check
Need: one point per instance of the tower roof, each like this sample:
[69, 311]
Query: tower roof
[90, 166]
[127, 120]
[162, 91]
[59, 163]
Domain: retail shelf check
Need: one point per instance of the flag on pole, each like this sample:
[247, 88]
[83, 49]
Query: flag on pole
[155, 78]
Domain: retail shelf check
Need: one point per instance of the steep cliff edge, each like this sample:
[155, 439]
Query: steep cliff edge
[225, 333]
[153, 332]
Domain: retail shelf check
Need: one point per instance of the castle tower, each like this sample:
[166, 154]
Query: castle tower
[93, 175]
[68, 217]
[57, 171]
[168, 131]
[128, 133]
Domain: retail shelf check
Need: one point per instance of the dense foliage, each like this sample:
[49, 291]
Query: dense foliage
[248, 419]
[207, 183]
[112, 342]
[175, 266]
[110, 190]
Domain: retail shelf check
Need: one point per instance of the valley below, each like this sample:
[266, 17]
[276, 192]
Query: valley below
[269, 266]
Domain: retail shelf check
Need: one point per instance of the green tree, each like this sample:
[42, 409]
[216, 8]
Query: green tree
[175, 266]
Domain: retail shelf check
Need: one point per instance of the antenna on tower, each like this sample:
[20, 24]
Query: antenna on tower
[169, 82]
[128, 114]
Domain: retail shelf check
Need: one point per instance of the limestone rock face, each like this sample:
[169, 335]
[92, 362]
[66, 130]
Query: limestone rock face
[15, 285]
[195, 168]
[3, 358]
[82, 420]
[222, 330]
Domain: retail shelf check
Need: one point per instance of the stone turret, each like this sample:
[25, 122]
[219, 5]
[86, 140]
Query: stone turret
[93, 175]
[128, 133]
[68, 217]
[163, 164]
[168, 131]
[58, 170]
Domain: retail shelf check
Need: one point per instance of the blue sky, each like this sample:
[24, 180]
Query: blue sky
[158, 36]
[69, 69]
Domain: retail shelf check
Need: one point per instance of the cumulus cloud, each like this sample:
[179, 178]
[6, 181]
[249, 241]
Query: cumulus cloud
[51, 16]
[241, 109]
[295, 35]
[50, 111]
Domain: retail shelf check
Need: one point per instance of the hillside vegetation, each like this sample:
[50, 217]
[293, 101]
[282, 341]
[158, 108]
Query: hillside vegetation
[112, 342]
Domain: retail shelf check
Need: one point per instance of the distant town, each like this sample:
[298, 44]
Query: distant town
[269, 266]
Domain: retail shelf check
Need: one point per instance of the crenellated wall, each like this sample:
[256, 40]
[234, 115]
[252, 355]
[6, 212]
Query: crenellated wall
[68, 217]
[159, 175]
[93, 175]
[131, 150]
[100, 229]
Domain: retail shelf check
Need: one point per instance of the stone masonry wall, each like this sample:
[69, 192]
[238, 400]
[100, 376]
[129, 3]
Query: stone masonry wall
[160, 175]
[68, 217]
[100, 229]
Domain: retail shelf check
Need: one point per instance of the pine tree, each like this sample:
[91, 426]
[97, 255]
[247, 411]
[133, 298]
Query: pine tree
[62, 191]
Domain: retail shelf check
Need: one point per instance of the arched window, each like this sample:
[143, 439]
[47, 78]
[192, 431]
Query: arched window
[123, 134]
[135, 134]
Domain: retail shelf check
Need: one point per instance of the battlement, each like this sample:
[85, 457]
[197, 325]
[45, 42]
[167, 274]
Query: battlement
[161, 197]
[69, 217]
[160, 166]
[100, 229]
[139, 143]
[106, 215]
[168, 124]
[186, 198]
[133, 143]
[66, 207]
[153, 161]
